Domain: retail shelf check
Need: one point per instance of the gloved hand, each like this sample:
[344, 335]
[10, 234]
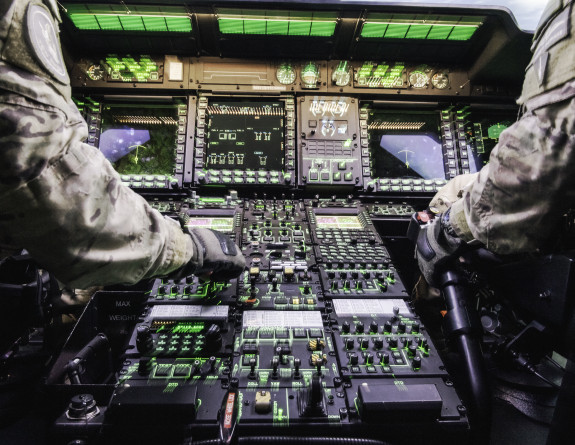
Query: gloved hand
[437, 245]
[216, 257]
[451, 192]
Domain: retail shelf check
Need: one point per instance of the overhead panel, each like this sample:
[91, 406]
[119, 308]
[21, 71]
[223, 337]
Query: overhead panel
[277, 23]
[118, 17]
[418, 27]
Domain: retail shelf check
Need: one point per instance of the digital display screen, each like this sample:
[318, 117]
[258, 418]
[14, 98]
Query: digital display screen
[219, 224]
[482, 131]
[406, 145]
[139, 139]
[245, 135]
[381, 75]
[338, 222]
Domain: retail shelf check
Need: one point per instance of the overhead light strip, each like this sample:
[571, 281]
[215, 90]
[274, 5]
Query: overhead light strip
[97, 17]
[278, 23]
[433, 28]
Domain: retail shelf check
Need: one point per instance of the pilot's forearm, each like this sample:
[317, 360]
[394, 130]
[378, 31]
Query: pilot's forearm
[62, 201]
[515, 203]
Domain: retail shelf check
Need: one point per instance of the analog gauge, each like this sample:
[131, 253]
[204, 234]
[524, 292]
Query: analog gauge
[95, 72]
[310, 75]
[418, 79]
[440, 81]
[285, 74]
[341, 75]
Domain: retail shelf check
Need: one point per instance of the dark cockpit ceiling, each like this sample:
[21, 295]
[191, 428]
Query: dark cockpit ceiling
[493, 56]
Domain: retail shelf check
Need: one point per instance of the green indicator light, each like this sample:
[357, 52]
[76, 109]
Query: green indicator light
[462, 32]
[299, 28]
[373, 30]
[179, 24]
[231, 26]
[396, 31]
[440, 32]
[405, 26]
[87, 22]
[322, 29]
[494, 132]
[132, 23]
[380, 70]
[292, 23]
[155, 23]
[277, 27]
[109, 23]
[418, 31]
[347, 143]
[255, 26]
[365, 71]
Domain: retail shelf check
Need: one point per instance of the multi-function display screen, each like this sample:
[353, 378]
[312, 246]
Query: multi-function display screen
[139, 139]
[338, 222]
[406, 144]
[245, 135]
[482, 131]
[214, 223]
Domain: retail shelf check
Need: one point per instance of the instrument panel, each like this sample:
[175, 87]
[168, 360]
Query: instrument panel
[309, 134]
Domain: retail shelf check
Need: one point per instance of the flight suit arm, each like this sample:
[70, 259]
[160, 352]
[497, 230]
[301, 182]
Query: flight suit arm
[63, 201]
[515, 203]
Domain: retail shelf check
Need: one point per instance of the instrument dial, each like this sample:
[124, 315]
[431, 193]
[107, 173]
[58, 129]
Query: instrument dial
[440, 80]
[310, 75]
[95, 72]
[286, 74]
[418, 79]
[341, 75]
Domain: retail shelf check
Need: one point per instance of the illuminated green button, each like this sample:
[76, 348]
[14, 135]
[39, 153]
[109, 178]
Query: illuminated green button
[337, 176]
[250, 180]
[160, 178]
[160, 185]
[137, 178]
[395, 181]
[126, 177]
[250, 173]
[226, 173]
[227, 180]
[341, 165]
[274, 181]
[348, 176]
[148, 184]
[395, 188]
[274, 174]
[136, 184]
[262, 180]
[149, 178]
[384, 188]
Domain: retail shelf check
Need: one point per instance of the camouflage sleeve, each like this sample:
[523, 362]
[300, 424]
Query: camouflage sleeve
[516, 201]
[62, 201]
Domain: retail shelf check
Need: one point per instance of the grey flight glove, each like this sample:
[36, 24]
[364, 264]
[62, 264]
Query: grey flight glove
[216, 257]
[437, 245]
